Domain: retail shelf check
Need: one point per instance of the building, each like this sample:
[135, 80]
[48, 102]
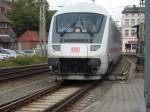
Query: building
[5, 5]
[7, 35]
[131, 16]
[30, 40]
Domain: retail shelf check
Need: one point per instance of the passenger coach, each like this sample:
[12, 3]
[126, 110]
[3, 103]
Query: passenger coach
[84, 42]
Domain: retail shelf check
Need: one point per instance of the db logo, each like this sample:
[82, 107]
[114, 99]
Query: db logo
[75, 49]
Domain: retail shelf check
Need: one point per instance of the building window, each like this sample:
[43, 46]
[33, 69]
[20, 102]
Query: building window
[126, 22]
[134, 46]
[133, 33]
[127, 15]
[3, 25]
[132, 22]
[138, 21]
[126, 33]
[127, 46]
[143, 20]
[133, 14]
[2, 9]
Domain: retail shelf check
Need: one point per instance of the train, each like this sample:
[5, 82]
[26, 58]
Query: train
[84, 42]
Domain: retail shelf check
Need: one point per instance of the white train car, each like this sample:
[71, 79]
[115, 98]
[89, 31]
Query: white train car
[84, 42]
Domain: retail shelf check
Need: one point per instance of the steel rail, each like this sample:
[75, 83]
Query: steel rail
[13, 73]
[10, 106]
[60, 106]
[55, 106]
[57, 99]
[21, 68]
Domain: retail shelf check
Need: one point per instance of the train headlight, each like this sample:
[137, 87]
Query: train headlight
[56, 47]
[95, 47]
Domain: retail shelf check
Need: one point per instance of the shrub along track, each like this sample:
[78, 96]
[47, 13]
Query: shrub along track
[17, 72]
[52, 99]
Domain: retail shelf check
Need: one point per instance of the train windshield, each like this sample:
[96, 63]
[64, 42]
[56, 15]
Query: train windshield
[79, 28]
[79, 23]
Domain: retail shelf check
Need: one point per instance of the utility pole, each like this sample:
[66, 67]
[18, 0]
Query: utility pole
[141, 29]
[147, 56]
[42, 28]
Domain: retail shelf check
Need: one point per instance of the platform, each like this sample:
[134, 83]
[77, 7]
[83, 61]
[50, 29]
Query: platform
[125, 96]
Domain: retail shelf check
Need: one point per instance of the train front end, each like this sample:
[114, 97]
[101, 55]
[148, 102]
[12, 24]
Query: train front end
[75, 45]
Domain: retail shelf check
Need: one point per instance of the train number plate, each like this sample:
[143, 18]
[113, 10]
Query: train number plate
[75, 50]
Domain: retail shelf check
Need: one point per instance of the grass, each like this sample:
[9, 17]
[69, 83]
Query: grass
[23, 61]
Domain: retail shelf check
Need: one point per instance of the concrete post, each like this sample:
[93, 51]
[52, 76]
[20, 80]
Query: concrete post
[42, 27]
[147, 56]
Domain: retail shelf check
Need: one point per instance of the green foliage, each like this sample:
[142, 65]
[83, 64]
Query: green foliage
[24, 16]
[23, 60]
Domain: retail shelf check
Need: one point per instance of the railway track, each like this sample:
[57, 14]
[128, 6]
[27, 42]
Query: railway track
[53, 99]
[16, 72]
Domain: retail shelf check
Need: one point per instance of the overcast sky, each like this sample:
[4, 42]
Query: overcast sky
[114, 7]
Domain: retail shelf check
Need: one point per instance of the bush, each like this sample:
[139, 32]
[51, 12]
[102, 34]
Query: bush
[23, 60]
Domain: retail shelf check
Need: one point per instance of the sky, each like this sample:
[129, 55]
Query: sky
[114, 7]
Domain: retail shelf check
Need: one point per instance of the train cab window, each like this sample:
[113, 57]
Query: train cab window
[72, 27]
[79, 22]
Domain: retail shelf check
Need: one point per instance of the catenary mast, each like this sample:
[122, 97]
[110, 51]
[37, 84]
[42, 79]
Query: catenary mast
[42, 28]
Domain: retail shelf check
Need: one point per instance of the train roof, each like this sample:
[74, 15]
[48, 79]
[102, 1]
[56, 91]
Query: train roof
[83, 7]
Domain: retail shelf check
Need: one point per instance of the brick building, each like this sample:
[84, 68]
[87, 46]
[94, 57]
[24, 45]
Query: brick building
[30, 40]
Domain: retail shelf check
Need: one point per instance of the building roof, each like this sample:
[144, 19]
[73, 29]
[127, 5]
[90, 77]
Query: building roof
[132, 9]
[32, 36]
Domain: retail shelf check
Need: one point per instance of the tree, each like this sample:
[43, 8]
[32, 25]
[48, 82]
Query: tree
[24, 15]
